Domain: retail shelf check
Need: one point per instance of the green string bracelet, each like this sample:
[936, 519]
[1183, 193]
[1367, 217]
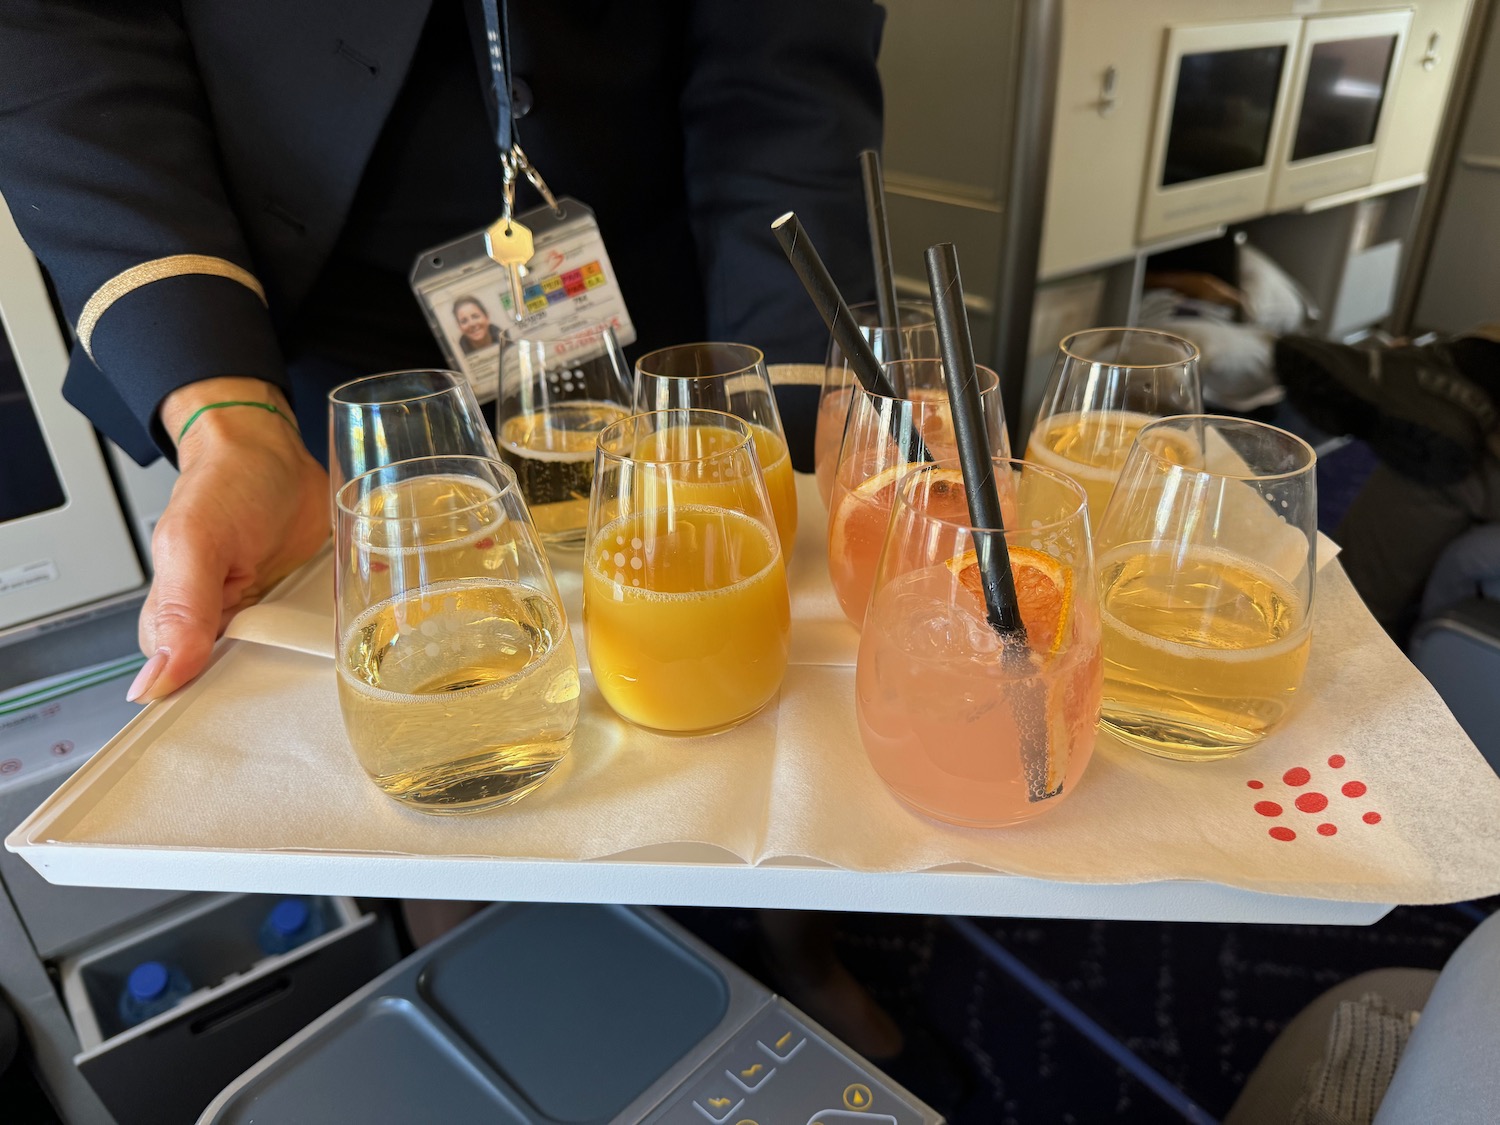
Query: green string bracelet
[182, 433]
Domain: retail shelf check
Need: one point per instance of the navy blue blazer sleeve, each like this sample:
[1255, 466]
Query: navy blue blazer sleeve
[111, 172]
[781, 96]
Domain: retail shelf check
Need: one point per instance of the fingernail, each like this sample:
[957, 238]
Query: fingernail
[146, 677]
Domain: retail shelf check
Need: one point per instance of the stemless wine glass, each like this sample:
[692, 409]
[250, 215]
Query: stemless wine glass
[962, 723]
[685, 607]
[558, 390]
[1106, 384]
[400, 415]
[879, 448]
[1206, 585]
[913, 337]
[731, 378]
[456, 671]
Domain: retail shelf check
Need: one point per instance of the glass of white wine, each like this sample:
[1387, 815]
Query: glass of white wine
[457, 675]
[558, 390]
[1206, 575]
[401, 414]
[1106, 384]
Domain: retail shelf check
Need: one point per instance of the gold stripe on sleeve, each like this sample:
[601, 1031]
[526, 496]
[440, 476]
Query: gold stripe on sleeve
[157, 270]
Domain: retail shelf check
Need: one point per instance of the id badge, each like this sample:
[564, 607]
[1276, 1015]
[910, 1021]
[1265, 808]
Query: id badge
[568, 284]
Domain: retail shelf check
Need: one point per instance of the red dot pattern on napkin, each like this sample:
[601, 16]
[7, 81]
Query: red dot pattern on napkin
[1311, 801]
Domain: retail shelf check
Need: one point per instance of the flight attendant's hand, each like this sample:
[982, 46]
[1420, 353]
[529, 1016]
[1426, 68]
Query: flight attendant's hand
[250, 506]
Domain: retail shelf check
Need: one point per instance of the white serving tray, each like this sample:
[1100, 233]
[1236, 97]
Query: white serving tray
[273, 801]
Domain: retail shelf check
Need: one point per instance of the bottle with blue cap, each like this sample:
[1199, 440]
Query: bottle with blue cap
[151, 989]
[290, 923]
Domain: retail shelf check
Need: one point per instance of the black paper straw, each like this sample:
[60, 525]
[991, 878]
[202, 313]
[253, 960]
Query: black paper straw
[880, 249]
[835, 313]
[1027, 695]
[1002, 606]
[830, 302]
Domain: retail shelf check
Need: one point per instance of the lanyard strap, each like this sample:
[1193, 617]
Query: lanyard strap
[497, 36]
[513, 161]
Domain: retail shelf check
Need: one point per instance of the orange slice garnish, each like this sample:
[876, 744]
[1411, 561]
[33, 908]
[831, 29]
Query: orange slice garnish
[859, 522]
[1044, 587]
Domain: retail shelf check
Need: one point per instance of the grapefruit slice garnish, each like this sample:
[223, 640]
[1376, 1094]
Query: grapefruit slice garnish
[1044, 587]
[859, 524]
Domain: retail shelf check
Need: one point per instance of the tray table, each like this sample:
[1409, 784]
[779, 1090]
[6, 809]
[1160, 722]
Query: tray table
[242, 782]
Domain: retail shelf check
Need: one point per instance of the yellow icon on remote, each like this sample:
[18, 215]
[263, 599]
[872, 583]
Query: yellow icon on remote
[857, 1096]
[719, 1103]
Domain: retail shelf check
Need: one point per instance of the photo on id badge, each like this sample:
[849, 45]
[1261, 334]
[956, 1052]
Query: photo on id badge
[568, 282]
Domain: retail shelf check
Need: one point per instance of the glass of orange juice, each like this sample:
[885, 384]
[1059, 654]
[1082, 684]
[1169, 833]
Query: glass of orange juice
[880, 447]
[914, 337]
[685, 610]
[1106, 384]
[732, 378]
[962, 723]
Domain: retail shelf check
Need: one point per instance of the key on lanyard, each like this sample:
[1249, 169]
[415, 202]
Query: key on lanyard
[509, 242]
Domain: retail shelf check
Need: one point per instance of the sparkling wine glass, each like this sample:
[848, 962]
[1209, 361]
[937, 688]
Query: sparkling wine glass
[1206, 572]
[1106, 384]
[558, 390]
[399, 415]
[457, 676]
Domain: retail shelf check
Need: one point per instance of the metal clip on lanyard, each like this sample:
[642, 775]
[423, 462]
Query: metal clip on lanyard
[534, 177]
[507, 240]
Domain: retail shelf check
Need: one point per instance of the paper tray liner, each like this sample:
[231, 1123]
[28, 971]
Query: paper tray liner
[253, 757]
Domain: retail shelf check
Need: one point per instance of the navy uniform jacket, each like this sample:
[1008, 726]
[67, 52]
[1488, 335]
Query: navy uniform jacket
[183, 168]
